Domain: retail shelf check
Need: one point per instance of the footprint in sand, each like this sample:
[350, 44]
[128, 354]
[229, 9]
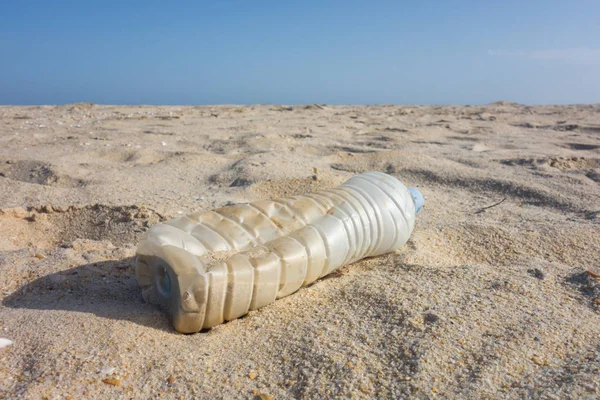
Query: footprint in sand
[37, 172]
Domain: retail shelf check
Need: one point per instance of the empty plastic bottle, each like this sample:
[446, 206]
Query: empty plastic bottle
[215, 266]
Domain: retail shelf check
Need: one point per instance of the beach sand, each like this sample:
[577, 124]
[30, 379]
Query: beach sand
[481, 303]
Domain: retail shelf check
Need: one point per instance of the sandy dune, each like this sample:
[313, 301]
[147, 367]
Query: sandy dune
[481, 303]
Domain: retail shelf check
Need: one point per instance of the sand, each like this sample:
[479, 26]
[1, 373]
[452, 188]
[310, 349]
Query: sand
[481, 303]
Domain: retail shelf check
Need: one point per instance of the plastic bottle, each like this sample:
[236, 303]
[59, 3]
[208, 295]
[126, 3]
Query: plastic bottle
[215, 266]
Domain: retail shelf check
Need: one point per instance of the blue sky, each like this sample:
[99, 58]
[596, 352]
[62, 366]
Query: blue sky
[338, 52]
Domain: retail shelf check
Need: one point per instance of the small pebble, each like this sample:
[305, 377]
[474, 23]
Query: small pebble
[538, 361]
[5, 343]
[112, 381]
[107, 370]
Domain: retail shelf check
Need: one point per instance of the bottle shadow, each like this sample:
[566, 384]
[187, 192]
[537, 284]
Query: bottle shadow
[108, 289]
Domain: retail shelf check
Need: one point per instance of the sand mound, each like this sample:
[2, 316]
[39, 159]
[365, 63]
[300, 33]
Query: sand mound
[47, 226]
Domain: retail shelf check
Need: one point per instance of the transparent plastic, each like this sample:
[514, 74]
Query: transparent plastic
[214, 266]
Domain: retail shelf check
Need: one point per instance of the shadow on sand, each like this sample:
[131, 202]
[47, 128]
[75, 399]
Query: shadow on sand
[107, 289]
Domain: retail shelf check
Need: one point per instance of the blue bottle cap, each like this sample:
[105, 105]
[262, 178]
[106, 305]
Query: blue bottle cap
[418, 199]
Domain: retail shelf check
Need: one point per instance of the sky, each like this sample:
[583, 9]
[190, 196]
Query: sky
[298, 52]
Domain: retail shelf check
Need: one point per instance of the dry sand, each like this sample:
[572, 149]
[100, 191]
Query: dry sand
[493, 303]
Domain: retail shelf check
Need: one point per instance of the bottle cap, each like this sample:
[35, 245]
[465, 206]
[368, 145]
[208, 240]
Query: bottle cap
[417, 198]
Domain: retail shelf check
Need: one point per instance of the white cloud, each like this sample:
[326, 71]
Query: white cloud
[577, 54]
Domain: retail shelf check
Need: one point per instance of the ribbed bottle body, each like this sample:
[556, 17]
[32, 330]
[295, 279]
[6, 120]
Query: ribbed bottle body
[215, 266]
